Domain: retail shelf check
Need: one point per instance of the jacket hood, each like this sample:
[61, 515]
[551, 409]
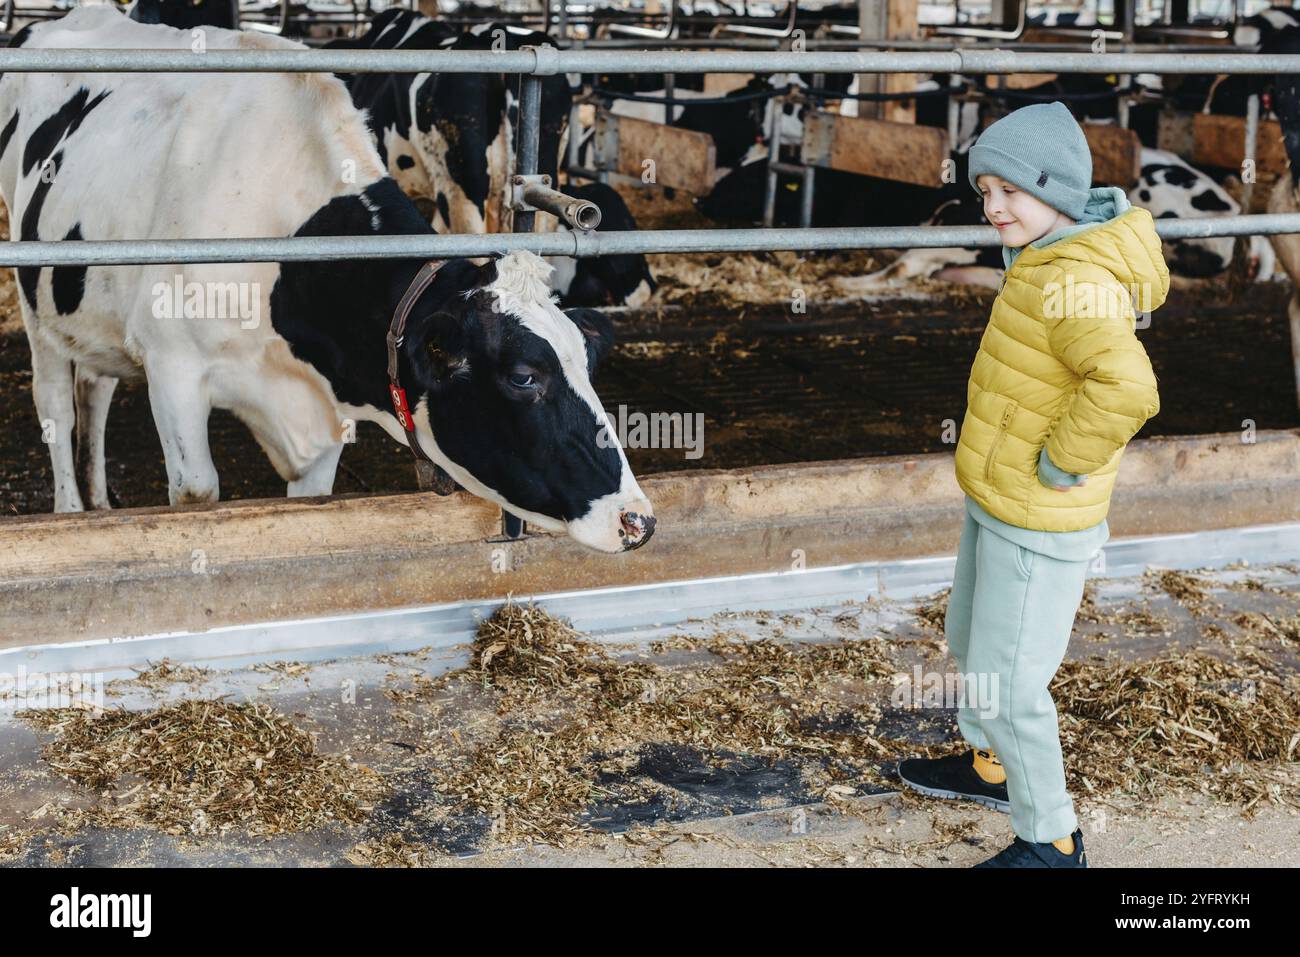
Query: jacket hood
[1113, 234]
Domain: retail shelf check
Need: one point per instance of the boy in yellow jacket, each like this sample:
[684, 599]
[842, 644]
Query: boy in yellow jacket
[1059, 386]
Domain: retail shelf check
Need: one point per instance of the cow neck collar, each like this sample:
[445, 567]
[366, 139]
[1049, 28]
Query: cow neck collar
[428, 473]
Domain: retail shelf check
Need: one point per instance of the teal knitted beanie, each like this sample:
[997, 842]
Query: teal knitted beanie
[1041, 149]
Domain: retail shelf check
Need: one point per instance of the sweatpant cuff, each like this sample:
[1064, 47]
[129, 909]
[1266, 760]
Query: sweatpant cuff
[1055, 826]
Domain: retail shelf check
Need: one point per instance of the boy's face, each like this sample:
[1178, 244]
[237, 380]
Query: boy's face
[1020, 217]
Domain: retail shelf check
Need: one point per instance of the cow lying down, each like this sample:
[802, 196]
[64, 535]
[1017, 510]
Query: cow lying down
[1168, 187]
[498, 379]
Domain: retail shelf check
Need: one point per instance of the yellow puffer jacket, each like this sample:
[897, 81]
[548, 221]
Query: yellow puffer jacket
[1060, 366]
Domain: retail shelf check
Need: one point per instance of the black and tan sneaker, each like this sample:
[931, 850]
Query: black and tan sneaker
[954, 777]
[1024, 853]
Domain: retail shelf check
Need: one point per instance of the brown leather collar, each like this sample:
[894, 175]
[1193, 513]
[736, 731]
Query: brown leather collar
[428, 473]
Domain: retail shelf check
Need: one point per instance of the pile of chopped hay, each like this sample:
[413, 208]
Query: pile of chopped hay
[1190, 721]
[571, 712]
[1187, 722]
[932, 612]
[1188, 590]
[740, 279]
[198, 766]
[1285, 628]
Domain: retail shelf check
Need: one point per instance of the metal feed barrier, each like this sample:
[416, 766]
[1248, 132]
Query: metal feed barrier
[532, 63]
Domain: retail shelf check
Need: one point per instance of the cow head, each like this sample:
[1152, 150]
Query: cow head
[503, 401]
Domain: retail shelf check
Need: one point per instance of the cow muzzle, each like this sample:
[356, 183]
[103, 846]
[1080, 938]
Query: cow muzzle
[635, 528]
[615, 523]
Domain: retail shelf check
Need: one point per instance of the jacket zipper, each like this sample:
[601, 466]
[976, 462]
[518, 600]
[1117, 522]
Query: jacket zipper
[1007, 415]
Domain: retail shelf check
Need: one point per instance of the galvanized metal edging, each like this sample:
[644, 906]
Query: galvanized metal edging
[611, 614]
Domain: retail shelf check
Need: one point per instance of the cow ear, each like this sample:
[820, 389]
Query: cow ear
[597, 331]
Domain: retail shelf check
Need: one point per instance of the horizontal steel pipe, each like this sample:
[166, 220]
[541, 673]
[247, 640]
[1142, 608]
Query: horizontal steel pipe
[576, 213]
[549, 60]
[323, 248]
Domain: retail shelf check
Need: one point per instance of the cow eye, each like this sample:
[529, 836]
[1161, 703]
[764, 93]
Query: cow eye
[523, 380]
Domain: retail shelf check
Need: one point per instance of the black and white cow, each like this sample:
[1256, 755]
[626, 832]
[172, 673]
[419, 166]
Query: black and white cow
[1227, 94]
[498, 378]
[739, 125]
[449, 139]
[1171, 189]
[619, 280]
[1168, 187]
[1285, 197]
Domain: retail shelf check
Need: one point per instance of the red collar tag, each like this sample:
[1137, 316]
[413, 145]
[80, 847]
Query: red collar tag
[400, 408]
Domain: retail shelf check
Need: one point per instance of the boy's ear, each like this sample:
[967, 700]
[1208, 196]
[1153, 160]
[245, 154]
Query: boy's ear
[597, 331]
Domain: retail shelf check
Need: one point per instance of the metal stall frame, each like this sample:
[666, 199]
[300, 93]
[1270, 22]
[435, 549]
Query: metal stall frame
[532, 63]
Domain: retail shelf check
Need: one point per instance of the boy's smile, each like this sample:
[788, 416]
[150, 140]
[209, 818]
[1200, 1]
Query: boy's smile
[1020, 217]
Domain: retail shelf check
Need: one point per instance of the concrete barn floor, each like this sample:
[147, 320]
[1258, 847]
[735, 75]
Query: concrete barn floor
[746, 814]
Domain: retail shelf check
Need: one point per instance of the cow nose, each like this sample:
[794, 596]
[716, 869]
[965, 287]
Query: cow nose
[635, 529]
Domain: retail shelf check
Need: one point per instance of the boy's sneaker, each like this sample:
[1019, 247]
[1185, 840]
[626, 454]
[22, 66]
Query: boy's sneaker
[1024, 853]
[953, 776]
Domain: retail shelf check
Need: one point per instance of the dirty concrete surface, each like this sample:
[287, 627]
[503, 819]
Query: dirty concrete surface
[676, 806]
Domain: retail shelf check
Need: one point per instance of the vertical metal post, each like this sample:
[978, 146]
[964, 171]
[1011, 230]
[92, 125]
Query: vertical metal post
[530, 108]
[526, 155]
[1248, 152]
[954, 112]
[573, 157]
[873, 19]
[1125, 19]
[773, 160]
[809, 184]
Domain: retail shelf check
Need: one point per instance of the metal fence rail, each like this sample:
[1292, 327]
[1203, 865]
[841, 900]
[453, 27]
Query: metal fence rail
[571, 243]
[534, 62]
[547, 61]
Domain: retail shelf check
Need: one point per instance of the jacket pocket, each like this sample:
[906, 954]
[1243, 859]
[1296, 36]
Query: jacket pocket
[1004, 423]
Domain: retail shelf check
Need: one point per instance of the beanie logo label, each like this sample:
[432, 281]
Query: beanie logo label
[1042, 179]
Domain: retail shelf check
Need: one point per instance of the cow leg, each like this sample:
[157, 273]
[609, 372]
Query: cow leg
[94, 393]
[180, 411]
[318, 478]
[52, 390]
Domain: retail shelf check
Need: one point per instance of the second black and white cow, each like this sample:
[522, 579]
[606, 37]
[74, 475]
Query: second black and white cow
[1170, 188]
[618, 280]
[449, 139]
[498, 379]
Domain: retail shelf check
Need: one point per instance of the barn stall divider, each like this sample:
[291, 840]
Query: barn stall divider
[314, 576]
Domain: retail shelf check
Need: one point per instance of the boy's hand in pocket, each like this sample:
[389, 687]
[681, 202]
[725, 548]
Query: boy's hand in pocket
[1057, 479]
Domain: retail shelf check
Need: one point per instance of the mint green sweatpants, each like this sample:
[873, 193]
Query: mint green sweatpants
[1010, 614]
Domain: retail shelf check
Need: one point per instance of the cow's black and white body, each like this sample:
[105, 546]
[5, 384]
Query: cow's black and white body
[1171, 189]
[1285, 195]
[450, 138]
[497, 376]
[739, 126]
[616, 280]
[1168, 187]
